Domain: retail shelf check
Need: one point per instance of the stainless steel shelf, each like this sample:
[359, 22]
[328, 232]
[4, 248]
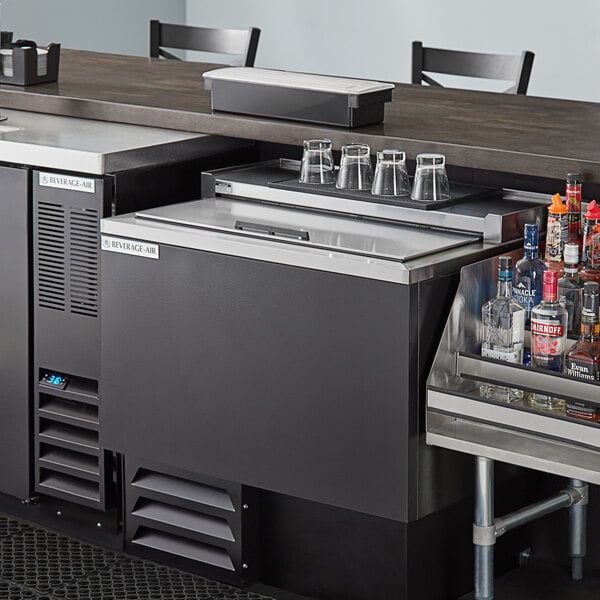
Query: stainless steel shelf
[513, 447]
[546, 382]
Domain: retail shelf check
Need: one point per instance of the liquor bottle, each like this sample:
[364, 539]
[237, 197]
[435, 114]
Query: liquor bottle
[570, 288]
[591, 243]
[548, 335]
[573, 202]
[503, 331]
[583, 359]
[527, 275]
[557, 232]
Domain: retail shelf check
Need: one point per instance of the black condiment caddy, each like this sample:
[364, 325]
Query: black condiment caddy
[25, 62]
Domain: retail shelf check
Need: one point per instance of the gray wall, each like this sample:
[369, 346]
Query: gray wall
[117, 26]
[360, 38]
[372, 38]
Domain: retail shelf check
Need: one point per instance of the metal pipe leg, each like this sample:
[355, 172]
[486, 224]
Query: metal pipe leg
[577, 529]
[484, 530]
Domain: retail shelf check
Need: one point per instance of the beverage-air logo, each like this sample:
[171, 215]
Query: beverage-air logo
[131, 247]
[67, 182]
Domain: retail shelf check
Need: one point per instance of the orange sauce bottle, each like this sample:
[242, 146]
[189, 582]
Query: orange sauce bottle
[557, 233]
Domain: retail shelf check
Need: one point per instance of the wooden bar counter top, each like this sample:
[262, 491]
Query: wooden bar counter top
[514, 134]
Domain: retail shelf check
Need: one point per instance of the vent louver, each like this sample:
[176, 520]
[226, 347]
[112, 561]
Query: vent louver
[51, 255]
[83, 258]
[183, 516]
[70, 462]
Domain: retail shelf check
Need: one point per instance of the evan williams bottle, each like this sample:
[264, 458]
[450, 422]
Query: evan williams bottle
[583, 359]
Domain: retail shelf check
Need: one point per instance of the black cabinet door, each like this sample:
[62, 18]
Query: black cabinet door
[278, 377]
[15, 397]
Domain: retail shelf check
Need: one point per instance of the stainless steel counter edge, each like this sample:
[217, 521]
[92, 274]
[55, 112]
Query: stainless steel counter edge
[97, 147]
[91, 163]
[275, 251]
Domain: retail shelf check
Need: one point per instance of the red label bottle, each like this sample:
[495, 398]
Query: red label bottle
[591, 243]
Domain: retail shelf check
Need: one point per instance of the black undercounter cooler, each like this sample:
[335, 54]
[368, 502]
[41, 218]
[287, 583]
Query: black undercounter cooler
[58, 177]
[264, 355]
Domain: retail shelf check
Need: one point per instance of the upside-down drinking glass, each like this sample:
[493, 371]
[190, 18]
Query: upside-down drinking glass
[356, 170]
[391, 176]
[317, 162]
[431, 181]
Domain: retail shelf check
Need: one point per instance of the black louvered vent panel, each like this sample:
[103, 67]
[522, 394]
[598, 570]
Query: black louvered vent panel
[177, 515]
[69, 460]
[51, 255]
[83, 257]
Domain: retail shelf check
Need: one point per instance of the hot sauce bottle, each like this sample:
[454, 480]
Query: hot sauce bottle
[573, 202]
[556, 233]
[591, 243]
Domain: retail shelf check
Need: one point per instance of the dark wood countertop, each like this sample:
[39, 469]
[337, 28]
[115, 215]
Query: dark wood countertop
[524, 135]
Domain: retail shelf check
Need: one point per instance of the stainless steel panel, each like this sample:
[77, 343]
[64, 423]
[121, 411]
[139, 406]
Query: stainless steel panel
[96, 147]
[330, 232]
[283, 252]
[516, 448]
[499, 415]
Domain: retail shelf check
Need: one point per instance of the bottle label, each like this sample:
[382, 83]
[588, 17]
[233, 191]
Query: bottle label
[591, 244]
[573, 200]
[583, 370]
[547, 343]
[527, 296]
[581, 409]
[512, 357]
[574, 228]
[556, 236]
[548, 329]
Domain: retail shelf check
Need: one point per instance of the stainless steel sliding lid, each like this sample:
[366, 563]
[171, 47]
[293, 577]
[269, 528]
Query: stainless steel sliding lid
[310, 229]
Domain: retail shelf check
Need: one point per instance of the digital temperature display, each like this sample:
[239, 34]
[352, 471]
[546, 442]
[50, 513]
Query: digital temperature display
[55, 380]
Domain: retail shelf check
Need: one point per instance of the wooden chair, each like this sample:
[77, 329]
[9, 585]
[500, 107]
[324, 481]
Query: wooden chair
[241, 42]
[507, 67]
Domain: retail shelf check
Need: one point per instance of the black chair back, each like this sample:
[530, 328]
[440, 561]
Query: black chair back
[240, 42]
[508, 67]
